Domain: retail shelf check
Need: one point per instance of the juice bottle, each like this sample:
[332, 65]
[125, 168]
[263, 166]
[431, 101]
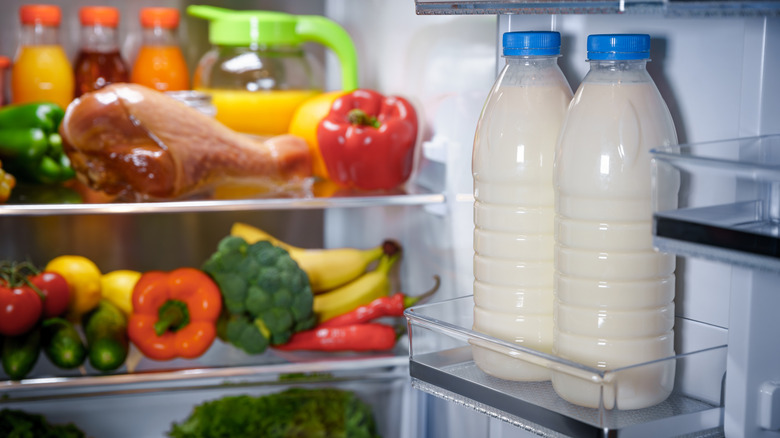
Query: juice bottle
[160, 63]
[614, 294]
[98, 62]
[41, 70]
[512, 167]
[4, 64]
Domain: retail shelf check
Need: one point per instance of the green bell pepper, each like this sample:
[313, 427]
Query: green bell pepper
[44, 115]
[30, 146]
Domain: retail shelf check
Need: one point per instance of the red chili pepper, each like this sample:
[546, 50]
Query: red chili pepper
[383, 306]
[174, 313]
[367, 140]
[355, 337]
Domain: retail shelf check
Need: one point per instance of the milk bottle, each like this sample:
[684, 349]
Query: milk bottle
[512, 167]
[613, 293]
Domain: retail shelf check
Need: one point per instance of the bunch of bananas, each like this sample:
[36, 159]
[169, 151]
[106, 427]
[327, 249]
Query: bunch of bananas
[340, 278]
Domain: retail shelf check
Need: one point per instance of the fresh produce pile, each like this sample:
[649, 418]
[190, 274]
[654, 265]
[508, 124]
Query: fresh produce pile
[19, 424]
[355, 140]
[296, 412]
[253, 292]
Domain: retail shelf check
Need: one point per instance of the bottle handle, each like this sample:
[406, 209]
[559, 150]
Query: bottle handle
[330, 34]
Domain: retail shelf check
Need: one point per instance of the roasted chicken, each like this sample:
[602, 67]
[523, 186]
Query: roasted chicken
[139, 144]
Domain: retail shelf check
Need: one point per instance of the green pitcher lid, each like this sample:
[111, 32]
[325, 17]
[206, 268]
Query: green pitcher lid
[245, 28]
[239, 28]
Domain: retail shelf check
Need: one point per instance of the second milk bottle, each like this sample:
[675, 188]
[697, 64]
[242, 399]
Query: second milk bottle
[512, 166]
[614, 293]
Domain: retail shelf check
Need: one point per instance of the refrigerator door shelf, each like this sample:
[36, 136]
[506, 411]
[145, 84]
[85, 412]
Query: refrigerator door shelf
[441, 363]
[729, 212]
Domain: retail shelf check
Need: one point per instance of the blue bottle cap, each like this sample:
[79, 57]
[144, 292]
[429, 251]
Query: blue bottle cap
[532, 43]
[618, 46]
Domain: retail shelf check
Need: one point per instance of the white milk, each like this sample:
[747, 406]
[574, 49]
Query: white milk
[614, 293]
[512, 166]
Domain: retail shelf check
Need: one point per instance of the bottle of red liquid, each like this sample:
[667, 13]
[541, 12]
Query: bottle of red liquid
[99, 62]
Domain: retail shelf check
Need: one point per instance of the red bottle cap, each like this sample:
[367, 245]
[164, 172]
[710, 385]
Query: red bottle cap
[47, 15]
[99, 16]
[4, 62]
[167, 18]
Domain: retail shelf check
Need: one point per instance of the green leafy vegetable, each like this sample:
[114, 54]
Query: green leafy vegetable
[20, 424]
[296, 412]
[266, 294]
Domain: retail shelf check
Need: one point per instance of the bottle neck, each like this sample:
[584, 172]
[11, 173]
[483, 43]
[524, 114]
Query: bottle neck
[626, 65]
[99, 39]
[539, 61]
[39, 35]
[623, 71]
[158, 36]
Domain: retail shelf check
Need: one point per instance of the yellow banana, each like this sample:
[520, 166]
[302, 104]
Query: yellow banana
[363, 290]
[327, 268]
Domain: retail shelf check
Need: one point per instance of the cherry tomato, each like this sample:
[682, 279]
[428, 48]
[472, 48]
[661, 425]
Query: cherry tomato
[20, 309]
[55, 290]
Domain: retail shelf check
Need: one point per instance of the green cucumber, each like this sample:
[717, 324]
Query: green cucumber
[62, 343]
[106, 331]
[20, 353]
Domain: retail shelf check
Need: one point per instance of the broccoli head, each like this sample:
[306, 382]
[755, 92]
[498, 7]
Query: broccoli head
[267, 295]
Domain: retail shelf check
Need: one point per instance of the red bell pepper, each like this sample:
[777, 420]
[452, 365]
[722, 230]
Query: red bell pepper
[367, 140]
[174, 313]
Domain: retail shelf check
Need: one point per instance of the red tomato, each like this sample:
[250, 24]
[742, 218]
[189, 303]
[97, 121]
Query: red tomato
[56, 290]
[20, 309]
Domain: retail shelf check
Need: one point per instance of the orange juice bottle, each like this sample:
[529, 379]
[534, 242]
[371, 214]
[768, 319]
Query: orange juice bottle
[160, 63]
[41, 71]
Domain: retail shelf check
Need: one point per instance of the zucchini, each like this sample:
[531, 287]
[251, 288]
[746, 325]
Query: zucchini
[62, 343]
[107, 343]
[20, 353]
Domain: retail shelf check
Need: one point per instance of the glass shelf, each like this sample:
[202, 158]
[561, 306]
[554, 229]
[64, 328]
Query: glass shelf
[442, 364]
[647, 7]
[221, 365]
[411, 195]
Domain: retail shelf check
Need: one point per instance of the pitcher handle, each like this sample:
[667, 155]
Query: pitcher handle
[330, 34]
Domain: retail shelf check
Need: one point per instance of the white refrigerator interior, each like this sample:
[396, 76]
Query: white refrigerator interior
[718, 75]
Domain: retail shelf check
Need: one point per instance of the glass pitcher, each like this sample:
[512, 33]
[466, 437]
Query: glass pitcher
[258, 72]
